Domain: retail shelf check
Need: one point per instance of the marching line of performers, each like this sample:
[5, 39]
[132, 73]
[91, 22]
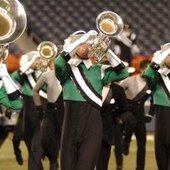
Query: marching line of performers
[80, 108]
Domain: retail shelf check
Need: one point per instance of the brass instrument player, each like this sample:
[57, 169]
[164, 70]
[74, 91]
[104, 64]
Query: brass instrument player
[13, 23]
[53, 115]
[82, 81]
[137, 92]
[157, 76]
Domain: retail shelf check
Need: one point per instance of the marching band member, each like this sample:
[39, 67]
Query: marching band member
[137, 92]
[9, 97]
[53, 117]
[157, 76]
[7, 103]
[25, 78]
[82, 81]
[114, 111]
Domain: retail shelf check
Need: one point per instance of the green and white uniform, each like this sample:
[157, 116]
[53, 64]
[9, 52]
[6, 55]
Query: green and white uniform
[98, 75]
[154, 80]
[82, 126]
[161, 99]
[30, 119]
[12, 104]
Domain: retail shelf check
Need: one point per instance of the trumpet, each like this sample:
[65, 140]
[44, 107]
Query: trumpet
[48, 51]
[12, 24]
[109, 25]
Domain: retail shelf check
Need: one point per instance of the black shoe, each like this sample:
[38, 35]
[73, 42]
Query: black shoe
[125, 150]
[53, 166]
[19, 158]
[119, 168]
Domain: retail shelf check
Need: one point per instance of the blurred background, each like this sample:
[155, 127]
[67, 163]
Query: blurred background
[54, 20]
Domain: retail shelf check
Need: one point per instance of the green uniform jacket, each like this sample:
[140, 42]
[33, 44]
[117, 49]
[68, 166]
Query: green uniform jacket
[24, 87]
[93, 74]
[24, 84]
[159, 96]
[12, 104]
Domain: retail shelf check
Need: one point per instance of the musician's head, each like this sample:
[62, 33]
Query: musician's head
[83, 51]
[33, 58]
[165, 47]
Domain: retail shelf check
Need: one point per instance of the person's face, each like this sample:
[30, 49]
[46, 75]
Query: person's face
[83, 51]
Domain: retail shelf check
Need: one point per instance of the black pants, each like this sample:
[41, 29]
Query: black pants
[18, 134]
[162, 137]
[81, 136]
[3, 134]
[139, 129]
[3, 130]
[51, 131]
[103, 159]
[31, 134]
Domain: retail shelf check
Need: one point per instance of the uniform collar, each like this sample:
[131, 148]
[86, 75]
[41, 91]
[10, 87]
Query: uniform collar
[77, 61]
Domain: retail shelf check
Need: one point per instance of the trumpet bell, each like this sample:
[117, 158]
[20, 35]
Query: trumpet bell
[12, 24]
[109, 23]
[5, 25]
[12, 20]
[47, 50]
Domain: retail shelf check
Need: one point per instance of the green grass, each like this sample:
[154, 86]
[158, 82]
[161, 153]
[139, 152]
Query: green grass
[8, 162]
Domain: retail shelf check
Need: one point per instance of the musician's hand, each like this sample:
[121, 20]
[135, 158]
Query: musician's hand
[27, 65]
[3, 70]
[8, 113]
[160, 56]
[167, 62]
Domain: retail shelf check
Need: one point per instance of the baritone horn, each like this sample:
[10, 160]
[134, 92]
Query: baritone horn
[48, 51]
[109, 25]
[12, 24]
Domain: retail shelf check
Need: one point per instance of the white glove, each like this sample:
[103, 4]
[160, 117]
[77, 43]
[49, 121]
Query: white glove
[113, 58]
[9, 84]
[135, 49]
[160, 56]
[85, 38]
[27, 65]
[3, 71]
